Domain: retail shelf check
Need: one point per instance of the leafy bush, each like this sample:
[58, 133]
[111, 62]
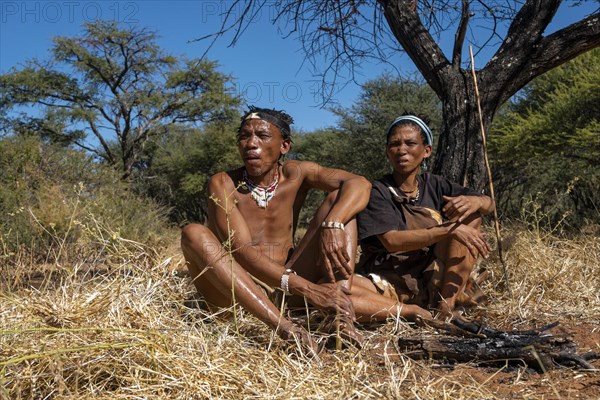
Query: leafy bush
[55, 202]
[545, 146]
[181, 164]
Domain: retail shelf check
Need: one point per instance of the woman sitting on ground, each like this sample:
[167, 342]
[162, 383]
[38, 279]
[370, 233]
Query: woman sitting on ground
[411, 253]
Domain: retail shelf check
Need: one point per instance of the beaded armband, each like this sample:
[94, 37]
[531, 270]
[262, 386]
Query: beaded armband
[332, 225]
[285, 279]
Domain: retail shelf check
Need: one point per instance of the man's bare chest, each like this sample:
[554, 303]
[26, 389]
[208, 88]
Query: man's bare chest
[278, 211]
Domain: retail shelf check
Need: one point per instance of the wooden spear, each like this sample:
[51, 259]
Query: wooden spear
[489, 175]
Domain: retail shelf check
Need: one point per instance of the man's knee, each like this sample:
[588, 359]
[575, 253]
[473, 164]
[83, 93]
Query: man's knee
[192, 233]
[198, 237]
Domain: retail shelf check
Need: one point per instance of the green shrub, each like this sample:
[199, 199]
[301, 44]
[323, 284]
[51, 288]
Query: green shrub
[57, 202]
[180, 166]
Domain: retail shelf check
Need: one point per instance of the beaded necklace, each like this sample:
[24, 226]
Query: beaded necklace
[405, 198]
[261, 194]
[413, 200]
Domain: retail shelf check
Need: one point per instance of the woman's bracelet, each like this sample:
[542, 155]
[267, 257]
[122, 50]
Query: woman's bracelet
[285, 281]
[332, 225]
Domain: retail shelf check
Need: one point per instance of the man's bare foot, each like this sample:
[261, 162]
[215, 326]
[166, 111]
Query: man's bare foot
[300, 337]
[333, 324]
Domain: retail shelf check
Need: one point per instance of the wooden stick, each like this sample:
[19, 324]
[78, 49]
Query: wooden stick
[489, 174]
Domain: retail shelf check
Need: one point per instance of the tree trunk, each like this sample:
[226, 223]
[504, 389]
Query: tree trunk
[524, 54]
[459, 153]
[129, 157]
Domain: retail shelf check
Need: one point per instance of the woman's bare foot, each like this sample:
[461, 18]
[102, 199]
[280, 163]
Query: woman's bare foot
[415, 313]
[446, 313]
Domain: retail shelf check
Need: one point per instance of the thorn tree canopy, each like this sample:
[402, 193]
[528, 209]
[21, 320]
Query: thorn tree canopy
[346, 32]
[118, 86]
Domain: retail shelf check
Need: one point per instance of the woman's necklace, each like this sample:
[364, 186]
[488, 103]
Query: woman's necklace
[261, 194]
[416, 189]
[412, 199]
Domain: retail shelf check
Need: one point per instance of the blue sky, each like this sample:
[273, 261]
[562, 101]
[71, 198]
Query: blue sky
[268, 69]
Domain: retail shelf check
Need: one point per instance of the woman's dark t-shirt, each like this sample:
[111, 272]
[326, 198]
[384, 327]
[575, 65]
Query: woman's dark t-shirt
[383, 214]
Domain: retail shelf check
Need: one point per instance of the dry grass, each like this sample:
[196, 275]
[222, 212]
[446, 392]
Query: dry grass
[120, 330]
[550, 278]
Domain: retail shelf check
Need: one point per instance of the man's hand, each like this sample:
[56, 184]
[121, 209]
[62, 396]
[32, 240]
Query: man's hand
[460, 207]
[334, 253]
[332, 298]
[472, 238]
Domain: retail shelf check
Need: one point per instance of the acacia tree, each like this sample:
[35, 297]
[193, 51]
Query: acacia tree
[116, 85]
[347, 32]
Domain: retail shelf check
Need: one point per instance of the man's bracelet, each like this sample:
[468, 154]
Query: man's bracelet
[285, 281]
[332, 225]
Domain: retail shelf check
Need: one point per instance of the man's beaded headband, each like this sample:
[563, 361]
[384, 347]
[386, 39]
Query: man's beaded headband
[283, 126]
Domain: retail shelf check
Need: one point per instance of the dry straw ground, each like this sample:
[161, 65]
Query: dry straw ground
[115, 326]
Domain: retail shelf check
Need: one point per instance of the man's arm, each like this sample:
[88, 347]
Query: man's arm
[230, 223]
[353, 197]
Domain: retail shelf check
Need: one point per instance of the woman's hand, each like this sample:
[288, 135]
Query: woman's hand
[472, 238]
[460, 207]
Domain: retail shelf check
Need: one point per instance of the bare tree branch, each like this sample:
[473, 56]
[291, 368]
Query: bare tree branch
[459, 37]
[558, 48]
[416, 41]
[524, 33]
